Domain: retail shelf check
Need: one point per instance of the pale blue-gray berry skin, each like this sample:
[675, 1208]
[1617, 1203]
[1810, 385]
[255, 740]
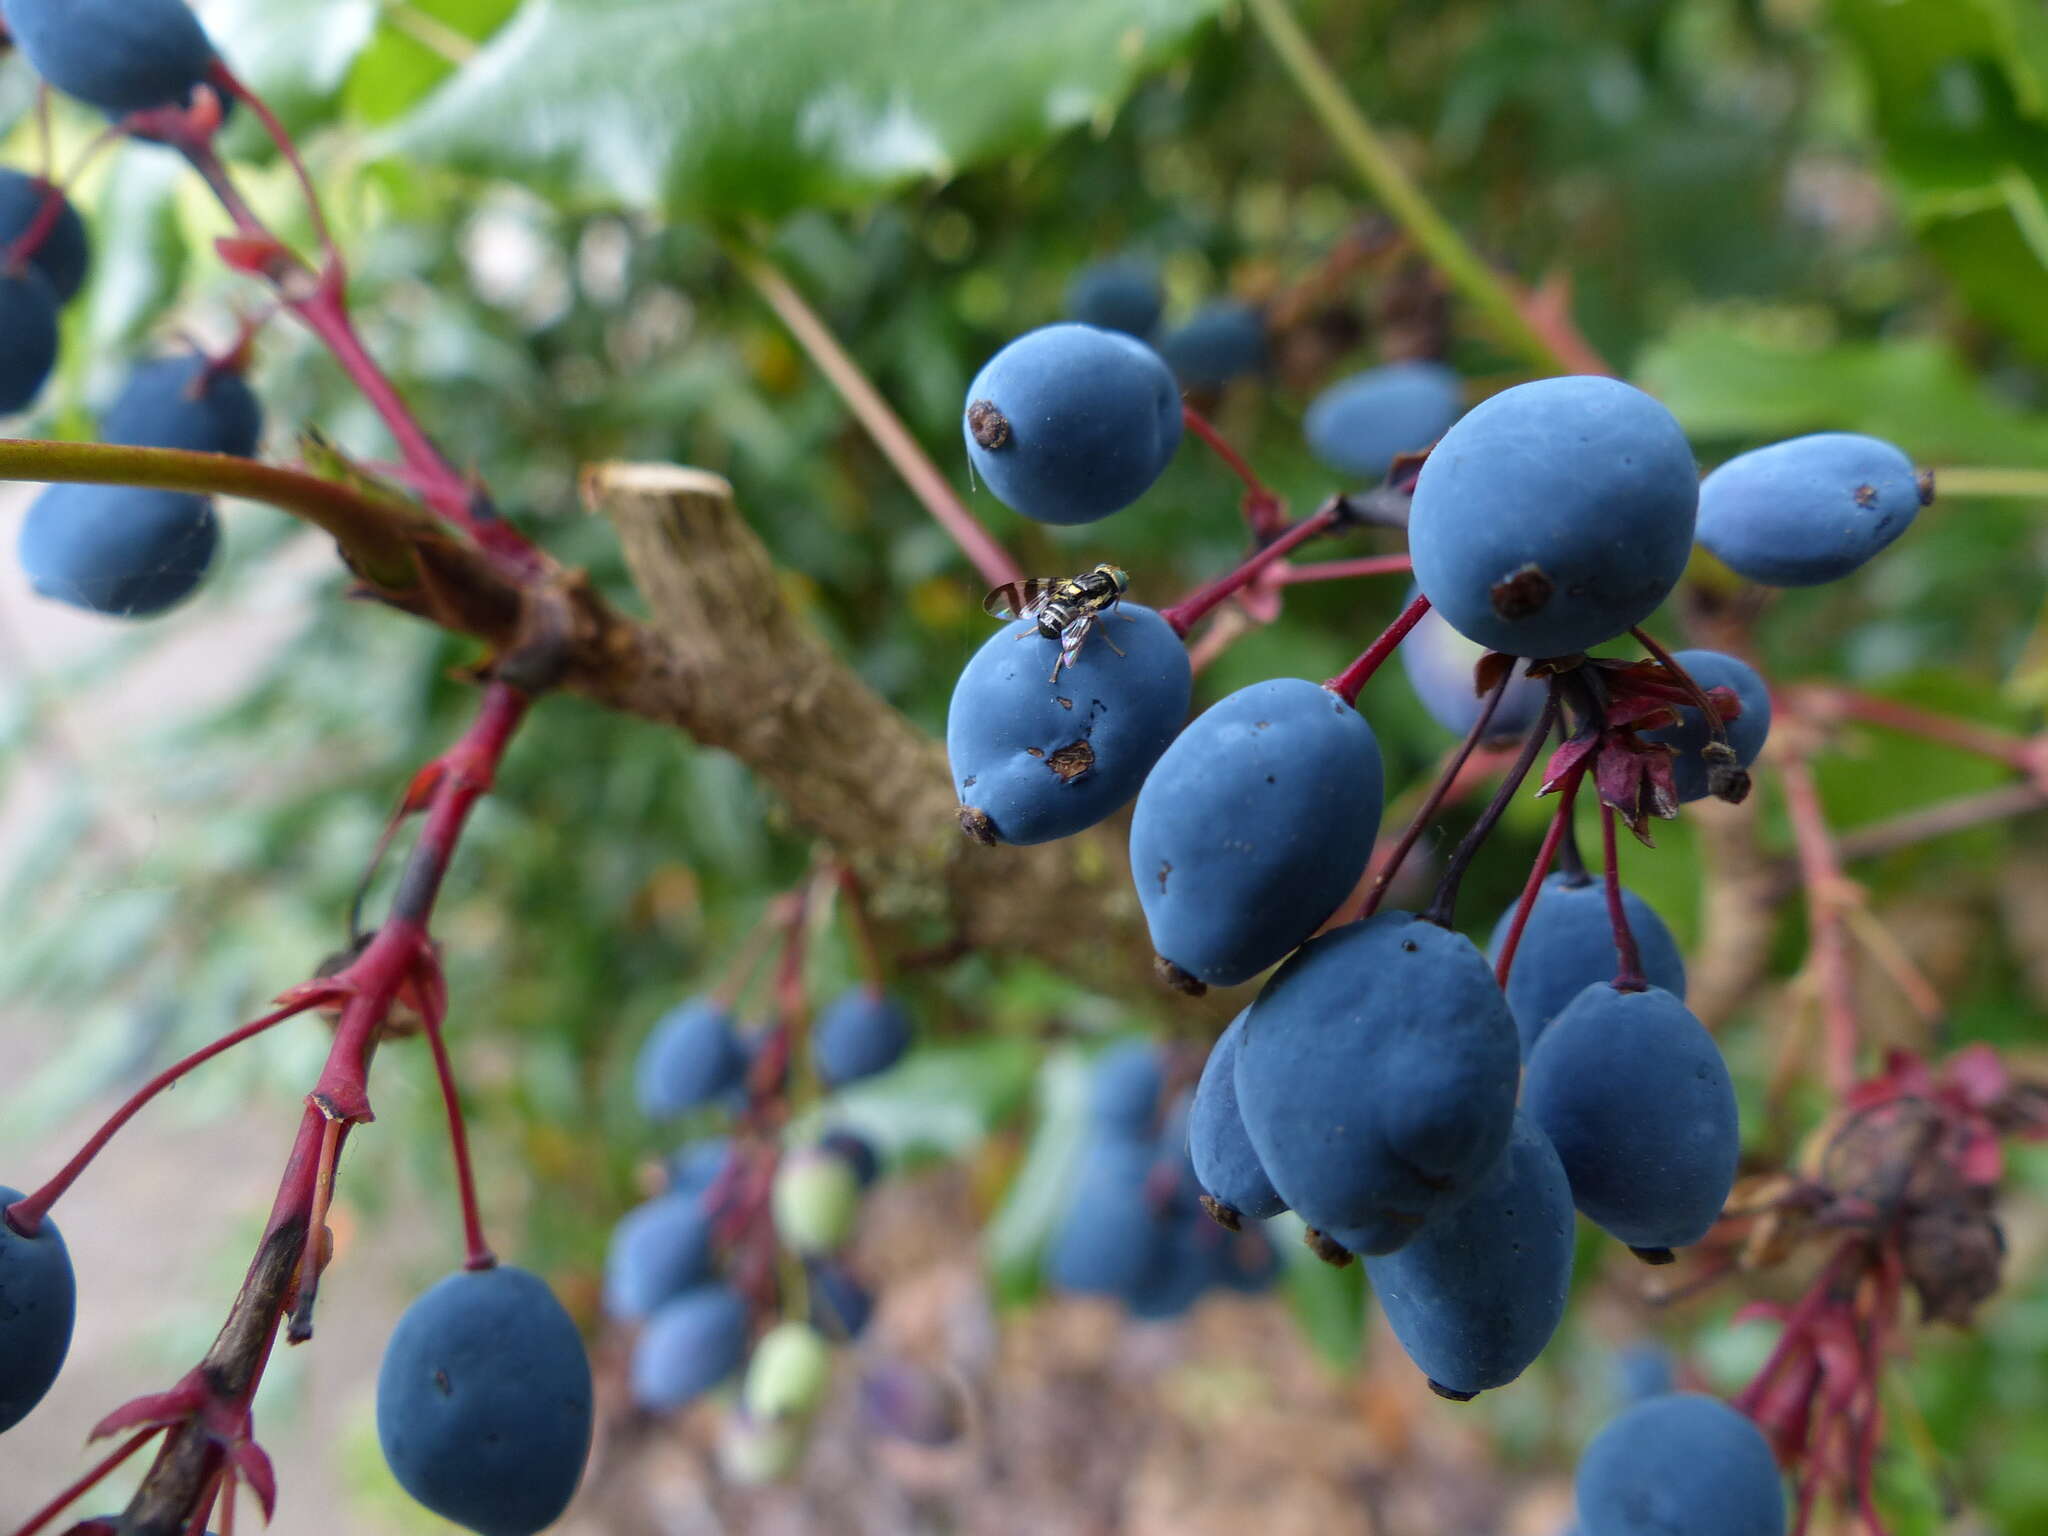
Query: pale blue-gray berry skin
[38, 1306]
[693, 1056]
[1439, 663]
[1360, 425]
[1809, 510]
[1376, 1078]
[484, 1402]
[1224, 1159]
[1253, 826]
[185, 402]
[121, 56]
[1044, 756]
[1555, 515]
[1222, 341]
[1069, 423]
[126, 551]
[1632, 1091]
[689, 1345]
[1680, 1465]
[1478, 1293]
[1121, 294]
[1747, 732]
[859, 1034]
[1568, 944]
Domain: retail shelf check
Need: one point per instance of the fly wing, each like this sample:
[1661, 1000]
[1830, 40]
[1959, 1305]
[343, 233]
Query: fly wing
[1018, 599]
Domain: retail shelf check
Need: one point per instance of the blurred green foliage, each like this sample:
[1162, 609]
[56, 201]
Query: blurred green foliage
[1782, 215]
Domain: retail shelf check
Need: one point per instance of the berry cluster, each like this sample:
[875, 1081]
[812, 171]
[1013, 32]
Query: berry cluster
[702, 1273]
[1438, 1111]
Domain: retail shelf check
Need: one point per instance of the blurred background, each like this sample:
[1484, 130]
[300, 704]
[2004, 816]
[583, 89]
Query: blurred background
[1778, 215]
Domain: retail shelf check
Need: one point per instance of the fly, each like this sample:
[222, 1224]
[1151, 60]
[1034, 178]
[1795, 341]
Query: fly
[1066, 608]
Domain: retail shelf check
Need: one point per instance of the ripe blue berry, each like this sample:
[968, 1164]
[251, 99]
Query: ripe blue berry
[857, 1152]
[1376, 1078]
[840, 1304]
[1119, 295]
[121, 56]
[658, 1250]
[692, 1057]
[484, 1402]
[1555, 515]
[694, 1167]
[1069, 423]
[1360, 425]
[1222, 1153]
[1746, 732]
[1439, 662]
[38, 1303]
[63, 254]
[28, 338]
[1040, 757]
[1124, 1087]
[1477, 1295]
[1253, 826]
[859, 1034]
[1568, 945]
[1680, 1465]
[1104, 1243]
[185, 402]
[1219, 342]
[1634, 1095]
[691, 1344]
[121, 550]
[1809, 510]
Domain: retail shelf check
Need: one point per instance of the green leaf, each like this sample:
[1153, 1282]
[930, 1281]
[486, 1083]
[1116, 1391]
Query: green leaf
[294, 55]
[766, 106]
[417, 47]
[1743, 375]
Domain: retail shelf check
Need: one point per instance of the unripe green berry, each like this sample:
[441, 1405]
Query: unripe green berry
[787, 1376]
[815, 1197]
[752, 1452]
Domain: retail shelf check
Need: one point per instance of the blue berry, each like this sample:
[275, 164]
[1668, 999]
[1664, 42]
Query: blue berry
[1810, 510]
[1568, 944]
[185, 402]
[38, 1303]
[64, 252]
[1644, 1370]
[1069, 423]
[121, 56]
[28, 338]
[1118, 295]
[1360, 425]
[1555, 515]
[1680, 1465]
[1219, 342]
[484, 1402]
[1476, 1297]
[1376, 1078]
[1104, 1243]
[692, 1058]
[1039, 757]
[840, 1304]
[1253, 826]
[1634, 1095]
[857, 1152]
[692, 1343]
[1746, 732]
[859, 1034]
[1224, 1160]
[1124, 1087]
[1439, 662]
[121, 550]
[694, 1167]
[658, 1251]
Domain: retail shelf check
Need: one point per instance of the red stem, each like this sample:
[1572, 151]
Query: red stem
[478, 1255]
[1197, 605]
[1831, 703]
[85, 1484]
[1348, 683]
[1344, 570]
[1560, 823]
[1629, 978]
[230, 83]
[30, 240]
[26, 1214]
[1262, 508]
[1434, 800]
[861, 929]
[1820, 872]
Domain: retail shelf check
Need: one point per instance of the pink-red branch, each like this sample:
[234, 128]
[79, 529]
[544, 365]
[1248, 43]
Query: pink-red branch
[1628, 977]
[1344, 570]
[1197, 605]
[1433, 801]
[1348, 684]
[1262, 508]
[1820, 873]
[1546, 855]
[1825, 703]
